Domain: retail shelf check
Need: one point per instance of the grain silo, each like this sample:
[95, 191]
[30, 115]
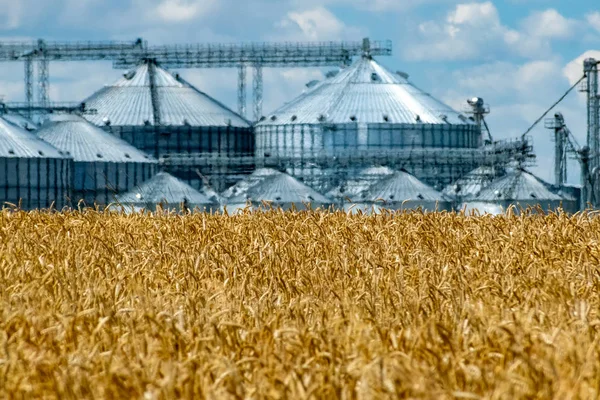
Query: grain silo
[522, 189]
[32, 172]
[363, 116]
[472, 183]
[104, 165]
[402, 191]
[167, 192]
[166, 117]
[349, 191]
[271, 188]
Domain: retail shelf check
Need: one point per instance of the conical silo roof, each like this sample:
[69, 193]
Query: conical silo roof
[472, 183]
[88, 143]
[402, 186]
[517, 185]
[163, 188]
[15, 142]
[21, 121]
[365, 93]
[274, 186]
[130, 102]
[354, 187]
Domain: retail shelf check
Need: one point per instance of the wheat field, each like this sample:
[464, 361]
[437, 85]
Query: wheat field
[299, 305]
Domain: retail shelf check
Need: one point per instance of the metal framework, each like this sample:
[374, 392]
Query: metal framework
[593, 111]
[242, 90]
[256, 55]
[127, 55]
[43, 52]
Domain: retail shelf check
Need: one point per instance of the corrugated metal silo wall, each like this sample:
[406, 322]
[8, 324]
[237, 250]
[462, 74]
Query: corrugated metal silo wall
[97, 183]
[323, 155]
[35, 183]
[230, 149]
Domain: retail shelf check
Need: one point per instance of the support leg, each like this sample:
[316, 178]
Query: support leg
[242, 91]
[258, 92]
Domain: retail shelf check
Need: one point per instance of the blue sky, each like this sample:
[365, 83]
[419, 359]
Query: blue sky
[519, 55]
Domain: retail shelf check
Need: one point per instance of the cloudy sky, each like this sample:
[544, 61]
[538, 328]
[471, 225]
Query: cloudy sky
[519, 55]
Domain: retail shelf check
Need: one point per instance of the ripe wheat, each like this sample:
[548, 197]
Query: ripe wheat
[299, 305]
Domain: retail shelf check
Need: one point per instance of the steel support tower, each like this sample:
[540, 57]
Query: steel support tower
[43, 52]
[592, 154]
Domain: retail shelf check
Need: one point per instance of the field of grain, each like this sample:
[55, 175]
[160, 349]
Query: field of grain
[299, 305]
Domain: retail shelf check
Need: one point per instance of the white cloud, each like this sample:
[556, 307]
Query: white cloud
[11, 14]
[475, 30]
[174, 11]
[549, 24]
[313, 24]
[594, 20]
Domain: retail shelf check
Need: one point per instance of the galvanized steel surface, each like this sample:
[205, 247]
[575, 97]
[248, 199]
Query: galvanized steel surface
[353, 187]
[128, 102]
[402, 186]
[366, 93]
[517, 185]
[16, 142]
[88, 143]
[164, 188]
[21, 121]
[472, 183]
[273, 186]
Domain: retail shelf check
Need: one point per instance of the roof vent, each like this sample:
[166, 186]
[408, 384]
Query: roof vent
[498, 194]
[273, 118]
[403, 75]
[106, 121]
[41, 153]
[533, 196]
[322, 118]
[267, 155]
[391, 197]
[147, 122]
[294, 117]
[462, 118]
[262, 118]
[127, 155]
[386, 118]
[129, 75]
[420, 196]
[11, 151]
[418, 118]
[375, 77]
[278, 198]
[353, 118]
[186, 122]
[312, 84]
[99, 155]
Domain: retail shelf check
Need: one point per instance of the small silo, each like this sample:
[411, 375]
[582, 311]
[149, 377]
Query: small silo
[522, 189]
[360, 117]
[403, 191]
[32, 172]
[168, 192]
[166, 117]
[472, 183]
[351, 189]
[104, 165]
[271, 188]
